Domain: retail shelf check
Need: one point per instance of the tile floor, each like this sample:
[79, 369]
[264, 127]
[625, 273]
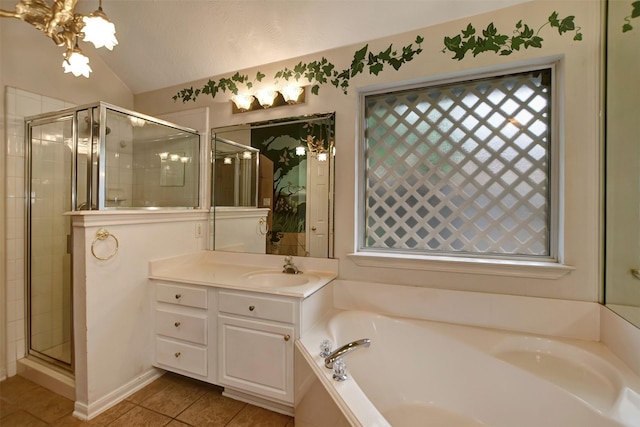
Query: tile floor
[171, 400]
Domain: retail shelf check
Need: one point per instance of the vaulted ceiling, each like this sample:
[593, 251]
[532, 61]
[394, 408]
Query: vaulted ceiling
[169, 42]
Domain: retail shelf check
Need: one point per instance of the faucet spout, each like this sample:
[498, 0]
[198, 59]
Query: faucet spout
[289, 267]
[344, 350]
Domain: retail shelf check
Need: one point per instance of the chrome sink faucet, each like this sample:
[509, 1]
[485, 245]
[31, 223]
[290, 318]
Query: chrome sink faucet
[289, 267]
[344, 350]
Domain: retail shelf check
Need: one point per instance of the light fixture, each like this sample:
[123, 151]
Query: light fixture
[266, 97]
[243, 101]
[227, 160]
[246, 154]
[99, 30]
[174, 157]
[163, 156]
[76, 63]
[137, 121]
[60, 23]
[184, 159]
[315, 147]
[291, 93]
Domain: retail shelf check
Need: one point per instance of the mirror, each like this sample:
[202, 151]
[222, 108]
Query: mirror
[283, 204]
[622, 173]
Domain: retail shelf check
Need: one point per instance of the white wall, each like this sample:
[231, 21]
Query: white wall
[113, 319]
[579, 132]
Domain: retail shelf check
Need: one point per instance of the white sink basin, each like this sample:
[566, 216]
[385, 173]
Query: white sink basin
[275, 279]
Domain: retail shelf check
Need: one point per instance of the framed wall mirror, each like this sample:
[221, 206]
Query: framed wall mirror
[622, 173]
[292, 212]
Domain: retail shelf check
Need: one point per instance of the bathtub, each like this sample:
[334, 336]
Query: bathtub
[419, 372]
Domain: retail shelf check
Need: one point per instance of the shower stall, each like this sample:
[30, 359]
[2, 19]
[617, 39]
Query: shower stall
[92, 157]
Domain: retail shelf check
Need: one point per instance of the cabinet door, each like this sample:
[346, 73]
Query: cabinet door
[256, 357]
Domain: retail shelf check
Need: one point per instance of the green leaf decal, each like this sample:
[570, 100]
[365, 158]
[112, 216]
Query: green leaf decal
[522, 37]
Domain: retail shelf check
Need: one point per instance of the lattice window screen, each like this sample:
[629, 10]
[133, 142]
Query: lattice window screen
[461, 168]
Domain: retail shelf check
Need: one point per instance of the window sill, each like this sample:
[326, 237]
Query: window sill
[512, 268]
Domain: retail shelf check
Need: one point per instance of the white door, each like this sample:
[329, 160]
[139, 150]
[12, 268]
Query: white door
[317, 227]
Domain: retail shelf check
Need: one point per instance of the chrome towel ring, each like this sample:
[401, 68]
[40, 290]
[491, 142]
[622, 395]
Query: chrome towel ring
[103, 234]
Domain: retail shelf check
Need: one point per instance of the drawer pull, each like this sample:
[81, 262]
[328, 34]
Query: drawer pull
[177, 354]
[178, 296]
[252, 307]
[287, 337]
[177, 324]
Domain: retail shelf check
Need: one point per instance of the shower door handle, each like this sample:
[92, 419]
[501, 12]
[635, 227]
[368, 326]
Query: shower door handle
[636, 273]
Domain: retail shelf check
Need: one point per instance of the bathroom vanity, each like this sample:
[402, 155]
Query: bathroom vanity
[232, 320]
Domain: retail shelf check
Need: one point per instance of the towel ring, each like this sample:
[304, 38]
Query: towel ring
[263, 226]
[103, 234]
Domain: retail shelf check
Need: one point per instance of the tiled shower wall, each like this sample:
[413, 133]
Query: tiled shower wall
[19, 104]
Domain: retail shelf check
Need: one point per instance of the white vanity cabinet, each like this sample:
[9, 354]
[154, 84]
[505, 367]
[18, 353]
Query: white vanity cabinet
[256, 335]
[182, 330]
[213, 325]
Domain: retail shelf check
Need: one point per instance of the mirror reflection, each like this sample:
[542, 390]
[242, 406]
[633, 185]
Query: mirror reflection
[273, 187]
[622, 252]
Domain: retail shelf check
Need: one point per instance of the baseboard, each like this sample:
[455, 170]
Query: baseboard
[54, 379]
[257, 401]
[86, 411]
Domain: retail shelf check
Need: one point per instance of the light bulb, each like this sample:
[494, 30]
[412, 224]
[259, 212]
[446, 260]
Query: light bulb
[77, 64]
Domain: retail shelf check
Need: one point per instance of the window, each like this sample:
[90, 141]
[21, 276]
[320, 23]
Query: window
[461, 169]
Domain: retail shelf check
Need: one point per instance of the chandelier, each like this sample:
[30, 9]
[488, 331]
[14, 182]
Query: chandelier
[59, 22]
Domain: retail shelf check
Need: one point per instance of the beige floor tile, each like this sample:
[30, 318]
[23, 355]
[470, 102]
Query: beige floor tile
[21, 419]
[151, 389]
[176, 423]
[47, 406]
[211, 410]
[7, 407]
[176, 397]
[253, 416]
[141, 417]
[101, 420]
[16, 389]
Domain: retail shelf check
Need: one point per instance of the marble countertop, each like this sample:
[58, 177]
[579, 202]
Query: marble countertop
[246, 272]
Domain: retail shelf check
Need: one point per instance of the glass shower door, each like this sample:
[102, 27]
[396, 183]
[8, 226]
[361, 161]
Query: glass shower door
[49, 260]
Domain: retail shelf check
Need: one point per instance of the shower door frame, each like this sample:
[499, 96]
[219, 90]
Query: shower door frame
[30, 122]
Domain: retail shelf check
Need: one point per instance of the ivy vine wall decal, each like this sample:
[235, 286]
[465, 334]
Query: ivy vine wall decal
[635, 12]
[321, 72]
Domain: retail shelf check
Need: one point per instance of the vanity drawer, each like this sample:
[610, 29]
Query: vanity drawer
[181, 356]
[277, 309]
[182, 326]
[189, 296]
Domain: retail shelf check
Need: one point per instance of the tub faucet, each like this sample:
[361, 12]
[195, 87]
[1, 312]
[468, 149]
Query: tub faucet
[344, 350]
[289, 267]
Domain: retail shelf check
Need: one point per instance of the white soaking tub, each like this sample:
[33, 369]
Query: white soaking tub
[423, 373]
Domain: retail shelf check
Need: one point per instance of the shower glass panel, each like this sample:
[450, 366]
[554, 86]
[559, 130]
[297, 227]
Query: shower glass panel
[49, 261]
[149, 164]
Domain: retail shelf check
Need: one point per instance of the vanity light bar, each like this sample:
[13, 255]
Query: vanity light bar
[268, 98]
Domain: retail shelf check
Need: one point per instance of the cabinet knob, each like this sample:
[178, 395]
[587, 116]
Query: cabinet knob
[177, 324]
[177, 354]
[287, 337]
[178, 296]
[252, 307]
